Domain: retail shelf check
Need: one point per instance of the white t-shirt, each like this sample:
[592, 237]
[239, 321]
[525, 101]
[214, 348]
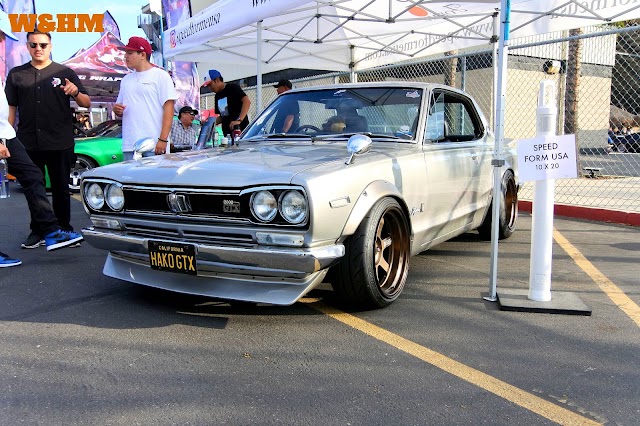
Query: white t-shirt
[6, 130]
[144, 94]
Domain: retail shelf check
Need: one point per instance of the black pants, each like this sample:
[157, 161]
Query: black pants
[43, 219]
[58, 164]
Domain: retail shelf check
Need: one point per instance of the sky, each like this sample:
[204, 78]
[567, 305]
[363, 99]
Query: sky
[125, 12]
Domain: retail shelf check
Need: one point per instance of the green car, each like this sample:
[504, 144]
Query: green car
[91, 153]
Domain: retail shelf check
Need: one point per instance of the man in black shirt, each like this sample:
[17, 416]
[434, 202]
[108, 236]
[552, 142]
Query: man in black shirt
[232, 104]
[39, 92]
[288, 116]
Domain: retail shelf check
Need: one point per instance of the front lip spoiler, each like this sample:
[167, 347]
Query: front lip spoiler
[266, 261]
[276, 275]
[258, 290]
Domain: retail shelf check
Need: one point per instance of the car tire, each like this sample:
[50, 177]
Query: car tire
[508, 210]
[374, 269]
[621, 147]
[83, 163]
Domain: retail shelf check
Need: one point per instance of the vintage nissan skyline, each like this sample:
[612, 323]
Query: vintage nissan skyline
[339, 183]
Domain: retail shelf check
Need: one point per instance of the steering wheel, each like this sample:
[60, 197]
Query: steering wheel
[304, 127]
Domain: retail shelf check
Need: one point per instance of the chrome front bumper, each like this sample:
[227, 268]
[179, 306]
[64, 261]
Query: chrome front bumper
[277, 275]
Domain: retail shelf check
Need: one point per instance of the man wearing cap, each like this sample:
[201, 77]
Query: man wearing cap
[288, 116]
[232, 104]
[40, 92]
[29, 176]
[183, 133]
[145, 101]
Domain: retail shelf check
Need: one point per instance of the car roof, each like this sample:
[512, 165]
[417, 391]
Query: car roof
[379, 84]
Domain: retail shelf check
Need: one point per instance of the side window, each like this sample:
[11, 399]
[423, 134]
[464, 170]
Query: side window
[452, 118]
[435, 120]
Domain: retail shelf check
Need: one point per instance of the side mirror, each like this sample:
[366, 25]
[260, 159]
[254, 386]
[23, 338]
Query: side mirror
[143, 147]
[357, 144]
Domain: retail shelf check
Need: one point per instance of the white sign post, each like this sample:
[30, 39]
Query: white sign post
[543, 159]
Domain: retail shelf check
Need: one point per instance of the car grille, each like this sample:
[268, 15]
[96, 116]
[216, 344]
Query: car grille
[188, 235]
[207, 204]
[195, 205]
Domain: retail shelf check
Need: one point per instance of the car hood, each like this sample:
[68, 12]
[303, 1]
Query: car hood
[228, 167]
[97, 139]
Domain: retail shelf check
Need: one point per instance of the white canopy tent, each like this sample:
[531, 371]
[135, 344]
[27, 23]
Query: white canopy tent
[350, 35]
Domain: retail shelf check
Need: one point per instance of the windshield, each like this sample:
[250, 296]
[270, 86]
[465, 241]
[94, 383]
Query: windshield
[380, 111]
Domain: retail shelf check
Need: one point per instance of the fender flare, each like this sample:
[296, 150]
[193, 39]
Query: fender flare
[374, 192]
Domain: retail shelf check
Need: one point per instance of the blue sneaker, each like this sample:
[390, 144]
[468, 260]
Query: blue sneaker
[6, 261]
[59, 239]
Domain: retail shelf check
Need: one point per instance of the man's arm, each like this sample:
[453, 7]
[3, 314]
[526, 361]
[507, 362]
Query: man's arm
[83, 100]
[288, 121]
[73, 89]
[167, 119]
[4, 151]
[246, 103]
[12, 115]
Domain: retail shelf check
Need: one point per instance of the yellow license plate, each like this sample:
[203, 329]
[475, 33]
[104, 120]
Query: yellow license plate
[173, 257]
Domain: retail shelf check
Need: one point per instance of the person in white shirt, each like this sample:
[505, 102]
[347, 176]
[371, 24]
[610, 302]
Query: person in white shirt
[145, 101]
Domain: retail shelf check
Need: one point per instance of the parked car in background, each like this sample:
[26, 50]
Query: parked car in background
[371, 174]
[101, 129]
[93, 152]
[629, 142]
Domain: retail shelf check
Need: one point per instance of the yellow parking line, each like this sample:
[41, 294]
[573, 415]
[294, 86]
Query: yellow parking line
[614, 292]
[502, 389]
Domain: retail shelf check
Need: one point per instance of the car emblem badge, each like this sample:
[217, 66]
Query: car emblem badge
[230, 206]
[178, 203]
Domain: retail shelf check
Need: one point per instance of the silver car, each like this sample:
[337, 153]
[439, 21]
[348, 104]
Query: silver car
[340, 183]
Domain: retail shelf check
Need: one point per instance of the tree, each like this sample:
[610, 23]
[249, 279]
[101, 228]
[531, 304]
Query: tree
[572, 91]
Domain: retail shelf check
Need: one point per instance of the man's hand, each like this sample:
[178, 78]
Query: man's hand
[70, 89]
[161, 147]
[4, 151]
[234, 123]
[118, 109]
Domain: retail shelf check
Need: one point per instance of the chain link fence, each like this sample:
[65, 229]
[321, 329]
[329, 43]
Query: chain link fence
[597, 74]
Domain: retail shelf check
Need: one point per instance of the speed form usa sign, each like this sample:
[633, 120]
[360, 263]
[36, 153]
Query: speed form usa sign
[547, 157]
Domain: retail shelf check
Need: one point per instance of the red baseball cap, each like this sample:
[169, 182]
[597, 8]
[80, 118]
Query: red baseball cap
[137, 44]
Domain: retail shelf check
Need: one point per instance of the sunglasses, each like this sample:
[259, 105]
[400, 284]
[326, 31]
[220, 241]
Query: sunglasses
[192, 113]
[35, 45]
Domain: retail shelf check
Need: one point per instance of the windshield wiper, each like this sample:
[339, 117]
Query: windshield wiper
[276, 136]
[286, 135]
[347, 135]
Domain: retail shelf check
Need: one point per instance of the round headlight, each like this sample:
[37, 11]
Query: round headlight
[94, 196]
[115, 197]
[264, 206]
[293, 207]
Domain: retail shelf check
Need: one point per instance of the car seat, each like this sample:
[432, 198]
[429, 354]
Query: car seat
[355, 122]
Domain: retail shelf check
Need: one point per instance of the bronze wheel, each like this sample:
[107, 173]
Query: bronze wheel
[374, 270]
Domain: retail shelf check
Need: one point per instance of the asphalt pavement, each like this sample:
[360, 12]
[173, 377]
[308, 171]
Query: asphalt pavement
[79, 348]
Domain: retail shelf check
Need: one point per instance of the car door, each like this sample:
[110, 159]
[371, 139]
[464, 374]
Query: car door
[455, 155]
